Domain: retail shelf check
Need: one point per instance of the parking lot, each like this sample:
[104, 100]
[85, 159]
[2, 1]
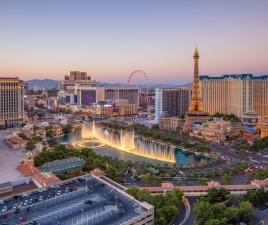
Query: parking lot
[84, 200]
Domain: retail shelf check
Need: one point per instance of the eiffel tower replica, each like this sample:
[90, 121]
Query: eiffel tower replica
[196, 114]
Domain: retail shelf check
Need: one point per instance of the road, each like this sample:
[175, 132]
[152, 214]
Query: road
[180, 216]
[192, 201]
[182, 213]
[261, 217]
[252, 157]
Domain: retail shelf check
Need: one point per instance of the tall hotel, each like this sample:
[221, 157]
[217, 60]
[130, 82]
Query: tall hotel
[171, 102]
[11, 101]
[235, 94]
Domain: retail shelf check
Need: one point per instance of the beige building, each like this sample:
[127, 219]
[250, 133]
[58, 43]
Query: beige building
[124, 108]
[16, 142]
[106, 110]
[235, 94]
[70, 82]
[218, 130]
[12, 92]
[122, 93]
[262, 126]
[260, 95]
[170, 123]
[116, 108]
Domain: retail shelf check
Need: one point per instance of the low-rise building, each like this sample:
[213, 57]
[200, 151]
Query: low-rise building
[63, 165]
[262, 126]
[57, 131]
[170, 123]
[6, 187]
[104, 109]
[16, 142]
[40, 179]
[218, 130]
[45, 179]
[120, 107]
[125, 109]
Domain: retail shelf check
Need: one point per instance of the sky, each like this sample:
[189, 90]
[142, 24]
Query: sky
[111, 38]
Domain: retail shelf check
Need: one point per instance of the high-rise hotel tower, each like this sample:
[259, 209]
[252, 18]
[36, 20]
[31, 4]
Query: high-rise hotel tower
[235, 94]
[11, 101]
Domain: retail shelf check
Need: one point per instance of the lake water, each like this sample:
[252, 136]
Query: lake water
[181, 157]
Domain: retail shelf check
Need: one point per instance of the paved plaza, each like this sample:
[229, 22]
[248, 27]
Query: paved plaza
[9, 160]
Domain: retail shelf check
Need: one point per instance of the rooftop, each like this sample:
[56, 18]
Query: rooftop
[45, 179]
[28, 170]
[63, 165]
[234, 76]
[87, 198]
[5, 185]
[16, 140]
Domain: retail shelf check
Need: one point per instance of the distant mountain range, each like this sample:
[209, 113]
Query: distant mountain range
[50, 84]
[46, 83]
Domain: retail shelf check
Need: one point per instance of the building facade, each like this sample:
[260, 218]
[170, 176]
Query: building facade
[76, 78]
[262, 126]
[122, 93]
[12, 92]
[218, 130]
[170, 102]
[170, 123]
[235, 94]
[116, 108]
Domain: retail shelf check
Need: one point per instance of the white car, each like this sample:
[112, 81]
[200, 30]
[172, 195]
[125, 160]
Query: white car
[4, 209]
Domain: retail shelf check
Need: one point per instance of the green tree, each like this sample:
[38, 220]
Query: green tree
[23, 136]
[231, 117]
[150, 180]
[30, 145]
[221, 221]
[257, 197]
[166, 206]
[202, 212]
[202, 181]
[227, 179]
[217, 195]
[246, 212]
[232, 213]
[260, 144]
[259, 174]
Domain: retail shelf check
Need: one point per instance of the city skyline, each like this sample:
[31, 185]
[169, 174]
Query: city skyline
[111, 39]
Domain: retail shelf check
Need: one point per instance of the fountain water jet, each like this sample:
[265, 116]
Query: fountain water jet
[127, 142]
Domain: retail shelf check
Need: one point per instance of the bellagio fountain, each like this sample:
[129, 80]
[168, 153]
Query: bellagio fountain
[125, 141]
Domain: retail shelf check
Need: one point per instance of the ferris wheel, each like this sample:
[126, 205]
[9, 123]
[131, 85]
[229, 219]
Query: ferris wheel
[138, 73]
[146, 90]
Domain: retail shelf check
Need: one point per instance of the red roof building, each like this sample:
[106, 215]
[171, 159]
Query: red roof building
[45, 179]
[28, 170]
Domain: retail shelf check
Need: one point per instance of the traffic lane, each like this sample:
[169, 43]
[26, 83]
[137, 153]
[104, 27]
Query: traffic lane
[192, 201]
[180, 217]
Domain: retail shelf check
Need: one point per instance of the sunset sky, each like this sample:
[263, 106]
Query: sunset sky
[111, 38]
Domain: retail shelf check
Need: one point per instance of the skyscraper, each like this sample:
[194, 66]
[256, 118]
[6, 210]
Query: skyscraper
[196, 114]
[11, 101]
[119, 93]
[171, 102]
